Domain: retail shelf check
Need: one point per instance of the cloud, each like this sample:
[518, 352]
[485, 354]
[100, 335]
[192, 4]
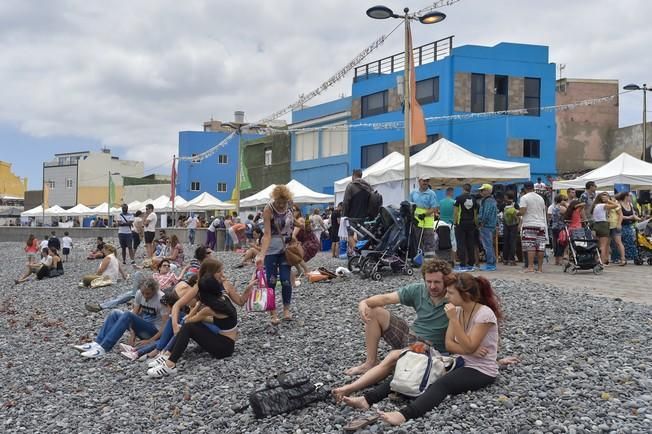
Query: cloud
[133, 74]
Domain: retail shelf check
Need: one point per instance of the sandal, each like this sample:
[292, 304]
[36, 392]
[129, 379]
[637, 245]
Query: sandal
[327, 273]
[356, 424]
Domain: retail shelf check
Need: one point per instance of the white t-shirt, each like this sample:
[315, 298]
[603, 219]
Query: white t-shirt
[66, 242]
[535, 213]
[43, 245]
[551, 208]
[150, 222]
[213, 225]
[151, 310]
[125, 218]
[600, 213]
[192, 223]
[113, 269]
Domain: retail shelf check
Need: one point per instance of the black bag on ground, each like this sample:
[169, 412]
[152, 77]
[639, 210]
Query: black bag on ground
[444, 237]
[285, 393]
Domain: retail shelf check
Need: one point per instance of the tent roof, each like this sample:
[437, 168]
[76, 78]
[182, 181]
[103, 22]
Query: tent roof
[178, 203]
[34, 212]
[300, 193]
[260, 198]
[624, 169]
[378, 166]
[159, 203]
[79, 210]
[55, 211]
[447, 164]
[204, 202]
[136, 205]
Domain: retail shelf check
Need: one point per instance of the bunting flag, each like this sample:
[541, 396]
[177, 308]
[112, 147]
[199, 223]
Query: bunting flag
[111, 191]
[173, 180]
[417, 121]
[245, 183]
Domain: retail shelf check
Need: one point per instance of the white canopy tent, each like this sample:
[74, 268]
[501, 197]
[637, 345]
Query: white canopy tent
[79, 210]
[178, 203]
[388, 161]
[159, 203]
[101, 209]
[136, 205]
[624, 169]
[446, 164]
[55, 211]
[300, 194]
[34, 212]
[205, 202]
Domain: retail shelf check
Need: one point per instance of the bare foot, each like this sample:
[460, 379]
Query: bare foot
[152, 353]
[339, 393]
[393, 417]
[360, 369]
[510, 360]
[358, 402]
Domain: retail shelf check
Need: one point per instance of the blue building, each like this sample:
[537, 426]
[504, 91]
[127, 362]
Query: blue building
[465, 81]
[215, 174]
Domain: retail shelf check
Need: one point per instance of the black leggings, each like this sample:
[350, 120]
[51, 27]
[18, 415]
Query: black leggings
[459, 381]
[217, 345]
[465, 234]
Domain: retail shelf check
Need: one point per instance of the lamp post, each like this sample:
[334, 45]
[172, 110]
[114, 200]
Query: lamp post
[382, 13]
[645, 89]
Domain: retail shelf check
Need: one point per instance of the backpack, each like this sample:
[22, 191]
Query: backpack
[374, 204]
[285, 393]
[444, 237]
[510, 215]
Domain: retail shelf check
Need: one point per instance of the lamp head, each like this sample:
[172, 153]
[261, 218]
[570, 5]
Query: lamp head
[380, 12]
[632, 87]
[432, 17]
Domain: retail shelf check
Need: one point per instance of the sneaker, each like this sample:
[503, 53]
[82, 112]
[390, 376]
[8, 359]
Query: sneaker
[94, 353]
[460, 269]
[93, 307]
[133, 262]
[157, 361]
[130, 355]
[488, 268]
[161, 371]
[127, 348]
[80, 284]
[86, 347]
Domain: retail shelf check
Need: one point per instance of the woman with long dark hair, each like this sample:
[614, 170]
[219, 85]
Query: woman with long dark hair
[474, 313]
[600, 209]
[628, 234]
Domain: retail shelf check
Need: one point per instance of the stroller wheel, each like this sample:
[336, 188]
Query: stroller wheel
[409, 271]
[377, 276]
[638, 261]
[566, 267]
[355, 263]
[649, 261]
[598, 269]
[572, 270]
[367, 268]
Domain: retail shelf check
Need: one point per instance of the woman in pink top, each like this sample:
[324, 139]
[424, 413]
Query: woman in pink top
[574, 214]
[473, 313]
[31, 248]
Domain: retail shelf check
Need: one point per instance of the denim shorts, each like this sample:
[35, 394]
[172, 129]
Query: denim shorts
[613, 232]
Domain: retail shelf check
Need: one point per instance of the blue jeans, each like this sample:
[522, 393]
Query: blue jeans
[125, 296]
[277, 265]
[487, 240]
[165, 341]
[191, 235]
[119, 322]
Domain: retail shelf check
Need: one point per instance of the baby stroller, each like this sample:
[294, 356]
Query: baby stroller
[369, 234]
[395, 246]
[583, 252]
[644, 242]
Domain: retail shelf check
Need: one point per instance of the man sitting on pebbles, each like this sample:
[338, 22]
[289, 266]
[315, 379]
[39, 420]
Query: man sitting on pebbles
[427, 299]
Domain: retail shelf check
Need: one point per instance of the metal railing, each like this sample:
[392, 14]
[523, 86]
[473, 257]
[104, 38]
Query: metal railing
[427, 53]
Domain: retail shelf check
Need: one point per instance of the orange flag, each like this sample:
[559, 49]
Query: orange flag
[417, 122]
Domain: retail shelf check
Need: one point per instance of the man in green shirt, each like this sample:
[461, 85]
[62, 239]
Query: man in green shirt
[427, 299]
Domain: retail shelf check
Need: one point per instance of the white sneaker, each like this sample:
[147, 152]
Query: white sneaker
[86, 347]
[94, 353]
[157, 361]
[127, 348]
[161, 371]
[130, 355]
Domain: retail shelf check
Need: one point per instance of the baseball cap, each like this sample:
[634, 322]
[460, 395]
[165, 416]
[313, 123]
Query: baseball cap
[486, 187]
[528, 185]
[423, 178]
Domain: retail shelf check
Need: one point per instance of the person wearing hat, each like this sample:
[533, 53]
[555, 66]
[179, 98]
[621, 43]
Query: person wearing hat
[487, 219]
[464, 216]
[534, 226]
[427, 205]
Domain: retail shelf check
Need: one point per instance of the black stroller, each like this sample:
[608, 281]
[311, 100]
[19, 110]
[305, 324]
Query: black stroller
[583, 252]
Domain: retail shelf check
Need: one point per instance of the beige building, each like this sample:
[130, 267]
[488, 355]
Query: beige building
[10, 184]
[83, 177]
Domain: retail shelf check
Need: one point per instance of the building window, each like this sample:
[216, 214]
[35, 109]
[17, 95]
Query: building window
[307, 146]
[335, 141]
[533, 96]
[63, 160]
[194, 186]
[68, 182]
[372, 154]
[374, 104]
[432, 138]
[531, 148]
[223, 159]
[501, 84]
[268, 156]
[221, 187]
[477, 93]
[194, 160]
[428, 90]
[50, 184]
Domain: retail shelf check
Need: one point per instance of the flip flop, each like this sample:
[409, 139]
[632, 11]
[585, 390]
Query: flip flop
[327, 273]
[356, 424]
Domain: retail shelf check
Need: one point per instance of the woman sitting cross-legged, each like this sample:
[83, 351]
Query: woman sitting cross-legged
[109, 268]
[50, 265]
[212, 322]
[473, 313]
[145, 322]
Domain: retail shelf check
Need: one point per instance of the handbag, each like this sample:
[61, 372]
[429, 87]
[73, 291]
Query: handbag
[284, 393]
[101, 281]
[416, 370]
[262, 297]
[294, 253]
[563, 238]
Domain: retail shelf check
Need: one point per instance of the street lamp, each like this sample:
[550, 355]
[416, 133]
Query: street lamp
[645, 89]
[382, 13]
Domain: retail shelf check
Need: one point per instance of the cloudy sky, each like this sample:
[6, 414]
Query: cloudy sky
[130, 75]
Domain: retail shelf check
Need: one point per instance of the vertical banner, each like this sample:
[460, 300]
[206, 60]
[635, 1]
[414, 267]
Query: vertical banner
[111, 191]
[417, 122]
[245, 183]
[46, 195]
[173, 181]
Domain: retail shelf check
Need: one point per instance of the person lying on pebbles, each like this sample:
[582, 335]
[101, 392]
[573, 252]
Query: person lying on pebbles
[473, 312]
[212, 323]
[145, 322]
[427, 299]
